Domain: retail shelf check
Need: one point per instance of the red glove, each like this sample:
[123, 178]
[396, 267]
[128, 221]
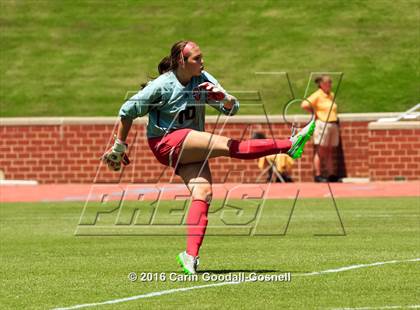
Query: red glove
[213, 93]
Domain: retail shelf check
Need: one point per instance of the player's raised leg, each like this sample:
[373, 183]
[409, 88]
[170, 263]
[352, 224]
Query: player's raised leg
[197, 177]
[199, 146]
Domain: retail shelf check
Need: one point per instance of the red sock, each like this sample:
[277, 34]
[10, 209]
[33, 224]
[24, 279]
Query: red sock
[256, 148]
[197, 224]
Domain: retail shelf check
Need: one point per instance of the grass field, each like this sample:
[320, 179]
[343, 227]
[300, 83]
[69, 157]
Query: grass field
[43, 265]
[72, 58]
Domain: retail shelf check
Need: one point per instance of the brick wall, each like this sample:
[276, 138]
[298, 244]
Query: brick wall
[394, 151]
[67, 150]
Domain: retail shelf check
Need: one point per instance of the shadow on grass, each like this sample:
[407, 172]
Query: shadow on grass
[222, 271]
[225, 271]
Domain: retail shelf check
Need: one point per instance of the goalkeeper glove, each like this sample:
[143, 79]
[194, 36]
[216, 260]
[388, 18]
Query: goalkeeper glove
[213, 92]
[116, 155]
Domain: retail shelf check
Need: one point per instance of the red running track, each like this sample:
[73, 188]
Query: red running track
[97, 192]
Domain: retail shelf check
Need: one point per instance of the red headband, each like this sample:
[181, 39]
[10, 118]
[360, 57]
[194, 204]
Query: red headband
[187, 48]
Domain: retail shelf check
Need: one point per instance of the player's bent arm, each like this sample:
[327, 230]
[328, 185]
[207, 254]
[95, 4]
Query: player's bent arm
[124, 128]
[141, 103]
[219, 99]
[227, 104]
[138, 105]
[116, 155]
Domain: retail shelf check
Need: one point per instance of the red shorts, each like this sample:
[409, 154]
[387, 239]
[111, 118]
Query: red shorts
[167, 148]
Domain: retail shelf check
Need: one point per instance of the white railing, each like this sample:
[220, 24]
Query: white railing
[409, 115]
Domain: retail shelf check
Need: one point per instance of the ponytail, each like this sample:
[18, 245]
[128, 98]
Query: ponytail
[164, 65]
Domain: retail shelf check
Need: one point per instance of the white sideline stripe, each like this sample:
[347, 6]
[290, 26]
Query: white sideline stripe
[184, 289]
[357, 267]
[152, 294]
[379, 308]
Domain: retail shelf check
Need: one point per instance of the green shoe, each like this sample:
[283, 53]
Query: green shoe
[187, 262]
[299, 140]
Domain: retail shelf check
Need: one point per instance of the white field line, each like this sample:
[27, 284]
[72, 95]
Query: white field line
[380, 308]
[152, 294]
[357, 267]
[184, 289]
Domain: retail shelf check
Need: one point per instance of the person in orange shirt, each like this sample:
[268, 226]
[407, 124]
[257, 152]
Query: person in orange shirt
[326, 135]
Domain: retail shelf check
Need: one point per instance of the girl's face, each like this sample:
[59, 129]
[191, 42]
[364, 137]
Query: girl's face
[194, 64]
[326, 84]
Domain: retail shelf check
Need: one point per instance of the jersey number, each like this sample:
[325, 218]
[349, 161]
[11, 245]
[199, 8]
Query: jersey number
[188, 113]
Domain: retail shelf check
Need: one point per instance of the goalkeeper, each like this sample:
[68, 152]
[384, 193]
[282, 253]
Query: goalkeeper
[175, 102]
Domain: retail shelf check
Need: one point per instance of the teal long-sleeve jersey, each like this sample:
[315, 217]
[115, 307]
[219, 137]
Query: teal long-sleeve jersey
[173, 106]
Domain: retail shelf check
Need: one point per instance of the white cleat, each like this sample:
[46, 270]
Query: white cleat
[188, 262]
